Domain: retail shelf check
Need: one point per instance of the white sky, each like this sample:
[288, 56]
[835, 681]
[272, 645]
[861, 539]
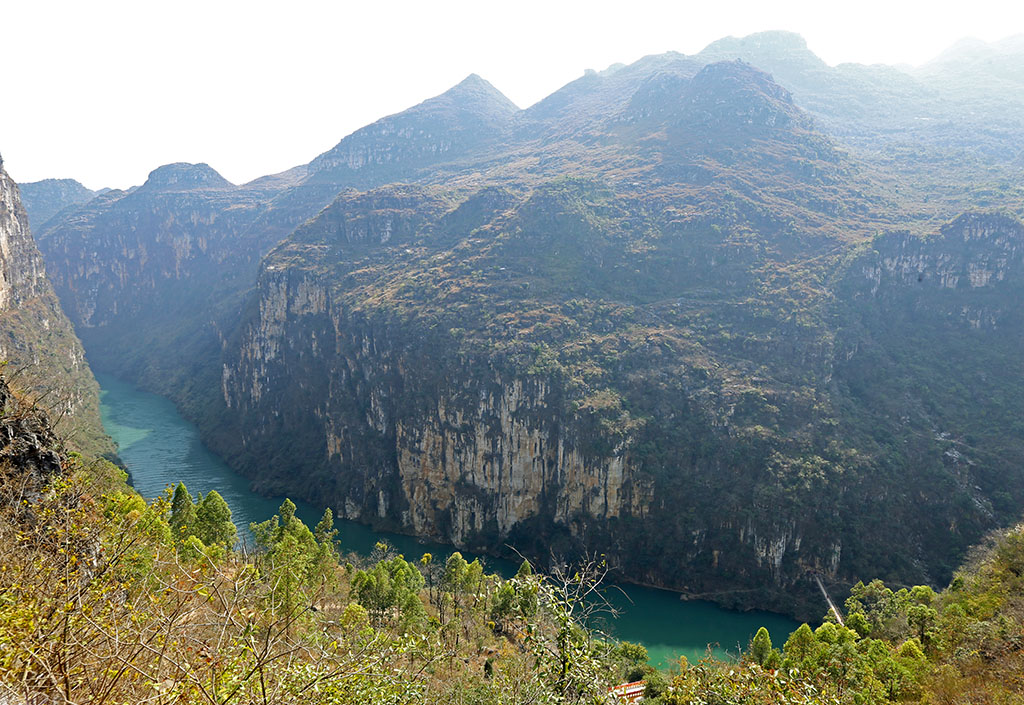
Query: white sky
[105, 91]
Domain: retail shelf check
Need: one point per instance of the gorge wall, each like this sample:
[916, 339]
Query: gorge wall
[698, 462]
[37, 342]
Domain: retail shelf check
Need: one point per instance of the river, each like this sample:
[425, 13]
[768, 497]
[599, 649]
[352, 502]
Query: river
[161, 448]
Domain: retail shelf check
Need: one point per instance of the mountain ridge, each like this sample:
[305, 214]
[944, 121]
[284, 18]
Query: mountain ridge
[45, 199]
[462, 117]
[182, 176]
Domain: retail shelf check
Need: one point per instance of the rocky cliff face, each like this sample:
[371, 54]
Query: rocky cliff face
[185, 222]
[29, 448]
[927, 364]
[393, 426]
[407, 437]
[36, 338]
[503, 369]
[22, 276]
[977, 251]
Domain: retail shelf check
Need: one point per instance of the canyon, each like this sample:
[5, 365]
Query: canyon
[731, 329]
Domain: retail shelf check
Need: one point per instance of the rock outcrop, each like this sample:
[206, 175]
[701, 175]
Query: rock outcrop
[153, 275]
[29, 449]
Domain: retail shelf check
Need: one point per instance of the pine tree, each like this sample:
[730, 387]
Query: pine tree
[326, 548]
[800, 646]
[183, 513]
[213, 521]
[761, 646]
[287, 513]
[325, 533]
[298, 562]
[390, 583]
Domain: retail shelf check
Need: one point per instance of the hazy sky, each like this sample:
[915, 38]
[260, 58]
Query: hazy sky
[104, 92]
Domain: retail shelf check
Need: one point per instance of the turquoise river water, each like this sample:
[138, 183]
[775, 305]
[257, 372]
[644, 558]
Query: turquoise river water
[161, 448]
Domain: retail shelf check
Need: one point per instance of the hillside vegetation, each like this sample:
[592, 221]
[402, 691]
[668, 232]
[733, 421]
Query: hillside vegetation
[105, 599]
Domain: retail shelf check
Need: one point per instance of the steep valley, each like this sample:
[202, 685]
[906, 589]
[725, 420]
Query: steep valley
[728, 336]
[160, 448]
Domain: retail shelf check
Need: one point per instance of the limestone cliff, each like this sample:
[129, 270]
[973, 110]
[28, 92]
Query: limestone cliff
[928, 363]
[977, 251]
[36, 339]
[409, 438]
[392, 425]
[151, 276]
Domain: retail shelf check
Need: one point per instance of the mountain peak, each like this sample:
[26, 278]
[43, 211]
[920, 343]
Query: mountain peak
[771, 50]
[44, 199]
[777, 39]
[734, 92]
[477, 93]
[182, 176]
[739, 74]
[474, 79]
[440, 128]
